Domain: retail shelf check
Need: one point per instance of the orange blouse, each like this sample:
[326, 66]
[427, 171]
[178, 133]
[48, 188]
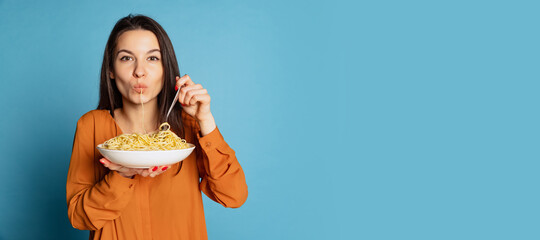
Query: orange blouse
[168, 206]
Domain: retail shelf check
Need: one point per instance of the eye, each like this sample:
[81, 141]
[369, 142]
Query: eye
[153, 58]
[125, 58]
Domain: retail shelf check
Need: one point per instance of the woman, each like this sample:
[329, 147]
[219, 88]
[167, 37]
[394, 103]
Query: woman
[163, 202]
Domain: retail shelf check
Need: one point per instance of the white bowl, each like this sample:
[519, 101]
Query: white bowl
[145, 159]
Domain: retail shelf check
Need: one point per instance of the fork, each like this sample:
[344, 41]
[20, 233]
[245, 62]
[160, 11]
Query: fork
[172, 105]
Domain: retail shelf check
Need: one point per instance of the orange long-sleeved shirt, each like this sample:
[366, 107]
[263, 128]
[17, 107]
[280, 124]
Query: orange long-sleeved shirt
[168, 206]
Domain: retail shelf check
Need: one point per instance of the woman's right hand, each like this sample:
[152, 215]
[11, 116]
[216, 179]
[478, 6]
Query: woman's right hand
[131, 172]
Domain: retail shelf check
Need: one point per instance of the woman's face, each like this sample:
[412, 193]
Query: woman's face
[138, 67]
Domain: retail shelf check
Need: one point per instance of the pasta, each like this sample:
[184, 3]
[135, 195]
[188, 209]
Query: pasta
[165, 139]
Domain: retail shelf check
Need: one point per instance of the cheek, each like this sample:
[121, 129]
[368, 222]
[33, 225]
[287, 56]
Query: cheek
[158, 72]
[121, 83]
[123, 70]
[158, 86]
[122, 87]
[158, 79]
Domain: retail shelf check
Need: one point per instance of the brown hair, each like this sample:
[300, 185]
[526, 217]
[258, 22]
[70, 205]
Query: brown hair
[109, 96]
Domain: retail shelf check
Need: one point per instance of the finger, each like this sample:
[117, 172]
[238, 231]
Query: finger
[110, 165]
[160, 170]
[145, 172]
[152, 171]
[185, 90]
[198, 96]
[176, 86]
[179, 83]
[104, 160]
[188, 92]
[187, 80]
[184, 80]
[191, 87]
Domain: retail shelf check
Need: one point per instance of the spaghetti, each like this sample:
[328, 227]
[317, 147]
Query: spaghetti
[142, 106]
[165, 139]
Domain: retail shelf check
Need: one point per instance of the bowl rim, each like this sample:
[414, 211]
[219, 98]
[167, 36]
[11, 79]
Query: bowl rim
[191, 146]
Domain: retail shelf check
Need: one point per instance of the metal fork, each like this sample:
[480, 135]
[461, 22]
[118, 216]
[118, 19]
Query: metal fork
[172, 105]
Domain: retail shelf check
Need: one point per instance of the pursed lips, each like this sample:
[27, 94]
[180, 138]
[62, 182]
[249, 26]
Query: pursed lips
[139, 87]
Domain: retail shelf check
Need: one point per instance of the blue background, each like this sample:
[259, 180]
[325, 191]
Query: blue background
[352, 119]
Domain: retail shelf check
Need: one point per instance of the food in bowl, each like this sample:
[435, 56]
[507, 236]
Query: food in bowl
[146, 150]
[164, 139]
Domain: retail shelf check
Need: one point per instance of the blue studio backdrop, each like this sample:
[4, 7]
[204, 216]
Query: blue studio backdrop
[351, 119]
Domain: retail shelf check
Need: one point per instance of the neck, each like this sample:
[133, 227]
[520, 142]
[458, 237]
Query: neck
[130, 117]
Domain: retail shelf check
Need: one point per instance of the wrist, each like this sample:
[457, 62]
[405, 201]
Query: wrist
[205, 117]
[207, 125]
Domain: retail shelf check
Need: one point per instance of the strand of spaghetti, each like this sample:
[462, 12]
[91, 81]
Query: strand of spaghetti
[142, 105]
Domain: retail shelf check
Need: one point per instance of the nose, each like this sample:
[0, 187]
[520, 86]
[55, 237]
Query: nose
[139, 70]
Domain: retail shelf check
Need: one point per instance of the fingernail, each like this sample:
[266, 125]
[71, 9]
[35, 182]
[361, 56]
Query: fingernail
[164, 168]
[102, 161]
[183, 104]
[175, 88]
[154, 169]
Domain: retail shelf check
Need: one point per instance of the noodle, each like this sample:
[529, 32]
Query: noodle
[142, 105]
[165, 139]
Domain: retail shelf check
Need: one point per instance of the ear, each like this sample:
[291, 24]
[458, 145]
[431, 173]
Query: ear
[111, 75]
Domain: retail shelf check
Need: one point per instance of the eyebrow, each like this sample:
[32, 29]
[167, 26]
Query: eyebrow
[130, 52]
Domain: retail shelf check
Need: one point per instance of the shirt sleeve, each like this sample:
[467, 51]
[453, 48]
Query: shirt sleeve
[222, 177]
[94, 197]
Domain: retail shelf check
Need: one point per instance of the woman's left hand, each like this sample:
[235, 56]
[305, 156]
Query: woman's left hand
[194, 98]
[196, 102]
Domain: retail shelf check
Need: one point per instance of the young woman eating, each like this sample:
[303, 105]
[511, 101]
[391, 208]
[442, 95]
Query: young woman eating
[139, 71]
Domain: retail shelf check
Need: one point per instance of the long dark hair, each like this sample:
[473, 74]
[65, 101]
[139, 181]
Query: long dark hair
[109, 96]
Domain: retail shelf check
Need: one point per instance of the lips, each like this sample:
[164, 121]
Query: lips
[139, 87]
